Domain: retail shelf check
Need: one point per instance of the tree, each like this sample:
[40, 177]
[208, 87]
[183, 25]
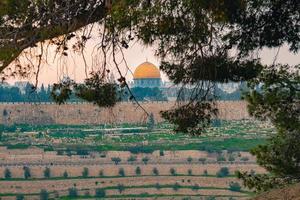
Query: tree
[121, 188]
[277, 101]
[173, 172]
[27, 173]
[73, 192]
[190, 172]
[155, 171]
[176, 186]
[44, 195]
[116, 160]
[121, 172]
[138, 171]
[20, 197]
[223, 172]
[85, 172]
[151, 122]
[189, 159]
[235, 187]
[145, 160]
[65, 174]
[7, 173]
[47, 172]
[100, 192]
[202, 160]
[131, 159]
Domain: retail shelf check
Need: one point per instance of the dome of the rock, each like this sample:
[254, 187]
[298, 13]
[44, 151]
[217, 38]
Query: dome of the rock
[147, 75]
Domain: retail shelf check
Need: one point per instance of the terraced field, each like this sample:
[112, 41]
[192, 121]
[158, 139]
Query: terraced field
[128, 161]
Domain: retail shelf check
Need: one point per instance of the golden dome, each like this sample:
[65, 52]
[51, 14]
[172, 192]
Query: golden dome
[146, 70]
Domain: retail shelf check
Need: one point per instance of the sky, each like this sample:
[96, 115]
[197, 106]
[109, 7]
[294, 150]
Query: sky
[73, 65]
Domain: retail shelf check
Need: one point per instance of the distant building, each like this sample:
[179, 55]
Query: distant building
[147, 75]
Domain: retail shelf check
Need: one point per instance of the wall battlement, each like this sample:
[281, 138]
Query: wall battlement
[85, 113]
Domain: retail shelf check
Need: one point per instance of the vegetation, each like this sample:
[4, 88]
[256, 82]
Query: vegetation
[223, 172]
[138, 171]
[100, 193]
[85, 172]
[44, 195]
[47, 172]
[155, 171]
[121, 172]
[116, 160]
[7, 173]
[73, 192]
[27, 173]
[145, 160]
[173, 172]
[235, 187]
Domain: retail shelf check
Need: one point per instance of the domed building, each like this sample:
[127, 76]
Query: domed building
[147, 75]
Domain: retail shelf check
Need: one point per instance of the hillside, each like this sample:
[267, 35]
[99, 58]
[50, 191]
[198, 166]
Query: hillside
[288, 193]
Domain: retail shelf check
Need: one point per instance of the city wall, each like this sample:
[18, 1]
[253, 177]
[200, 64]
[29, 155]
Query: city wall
[84, 113]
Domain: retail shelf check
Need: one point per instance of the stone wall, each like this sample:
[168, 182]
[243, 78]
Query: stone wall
[44, 113]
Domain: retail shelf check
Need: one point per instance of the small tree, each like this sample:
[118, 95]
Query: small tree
[221, 158]
[145, 160]
[190, 172]
[195, 187]
[151, 122]
[223, 172]
[85, 172]
[205, 172]
[157, 186]
[27, 173]
[7, 173]
[44, 195]
[65, 174]
[189, 159]
[131, 159]
[202, 160]
[231, 158]
[161, 153]
[101, 173]
[173, 171]
[244, 159]
[116, 160]
[155, 171]
[235, 187]
[121, 188]
[20, 197]
[47, 172]
[100, 192]
[138, 171]
[121, 172]
[176, 187]
[73, 192]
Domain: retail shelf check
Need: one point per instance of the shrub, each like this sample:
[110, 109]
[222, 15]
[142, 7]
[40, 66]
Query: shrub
[101, 173]
[244, 159]
[73, 192]
[231, 158]
[161, 153]
[131, 159]
[121, 172]
[202, 160]
[20, 197]
[195, 187]
[65, 174]
[190, 172]
[138, 171]
[121, 188]
[44, 195]
[145, 160]
[235, 187]
[47, 172]
[205, 173]
[155, 171]
[189, 159]
[176, 186]
[157, 186]
[100, 192]
[221, 158]
[116, 160]
[223, 172]
[7, 173]
[27, 173]
[85, 172]
[173, 171]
